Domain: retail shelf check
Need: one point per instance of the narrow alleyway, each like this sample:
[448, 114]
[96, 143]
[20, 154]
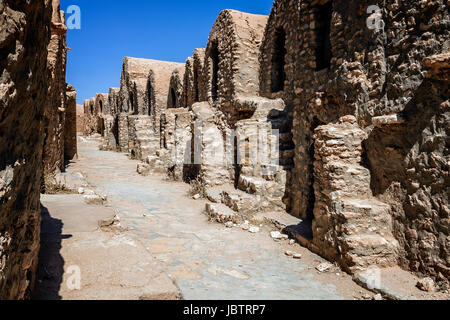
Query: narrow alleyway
[204, 259]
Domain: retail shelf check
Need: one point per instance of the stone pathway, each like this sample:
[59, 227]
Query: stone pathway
[206, 260]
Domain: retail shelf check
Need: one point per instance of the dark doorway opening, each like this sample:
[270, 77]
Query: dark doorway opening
[278, 61]
[323, 29]
[101, 106]
[215, 71]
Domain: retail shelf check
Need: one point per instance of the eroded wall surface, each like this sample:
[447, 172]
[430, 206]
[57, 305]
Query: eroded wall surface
[24, 36]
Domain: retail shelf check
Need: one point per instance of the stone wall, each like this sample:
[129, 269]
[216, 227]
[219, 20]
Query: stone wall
[113, 101]
[194, 79]
[80, 119]
[326, 61]
[53, 154]
[24, 36]
[175, 97]
[70, 125]
[231, 61]
[90, 117]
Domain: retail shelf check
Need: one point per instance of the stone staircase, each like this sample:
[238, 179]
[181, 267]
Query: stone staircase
[144, 139]
[260, 185]
[350, 224]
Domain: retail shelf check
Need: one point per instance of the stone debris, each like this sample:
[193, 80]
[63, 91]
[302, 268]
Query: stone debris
[427, 285]
[324, 267]
[276, 235]
[254, 229]
[289, 253]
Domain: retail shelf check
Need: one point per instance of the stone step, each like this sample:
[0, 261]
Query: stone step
[365, 216]
[367, 249]
[348, 178]
[242, 202]
[221, 213]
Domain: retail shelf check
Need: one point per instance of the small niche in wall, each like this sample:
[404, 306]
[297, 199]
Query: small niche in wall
[278, 61]
[322, 19]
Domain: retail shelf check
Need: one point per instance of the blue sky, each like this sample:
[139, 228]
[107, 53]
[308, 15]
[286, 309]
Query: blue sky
[162, 30]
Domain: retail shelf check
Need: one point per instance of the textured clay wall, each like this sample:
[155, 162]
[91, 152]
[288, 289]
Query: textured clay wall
[231, 63]
[334, 65]
[53, 155]
[24, 37]
[70, 126]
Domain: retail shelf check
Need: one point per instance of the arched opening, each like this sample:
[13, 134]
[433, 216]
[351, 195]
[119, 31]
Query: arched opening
[173, 98]
[215, 58]
[278, 61]
[101, 106]
[323, 28]
[92, 109]
[196, 91]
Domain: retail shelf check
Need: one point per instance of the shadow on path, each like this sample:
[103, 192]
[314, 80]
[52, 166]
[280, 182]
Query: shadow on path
[51, 263]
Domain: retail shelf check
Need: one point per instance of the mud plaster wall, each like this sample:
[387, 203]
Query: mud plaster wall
[23, 90]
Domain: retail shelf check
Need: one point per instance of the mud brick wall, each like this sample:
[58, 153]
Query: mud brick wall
[334, 65]
[53, 154]
[231, 60]
[175, 97]
[70, 126]
[24, 37]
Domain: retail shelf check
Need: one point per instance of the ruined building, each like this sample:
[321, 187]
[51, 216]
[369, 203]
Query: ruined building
[355, 102]
[23, 101]
[368, 113]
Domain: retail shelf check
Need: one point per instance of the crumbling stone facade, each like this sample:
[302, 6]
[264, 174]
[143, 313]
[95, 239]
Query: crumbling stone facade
[327, 60]
[194, 79]
[24, 37]
[90, 117]
[231, 67]
[53, 154]
[70, 125]
[80, 120]
[113, 101]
